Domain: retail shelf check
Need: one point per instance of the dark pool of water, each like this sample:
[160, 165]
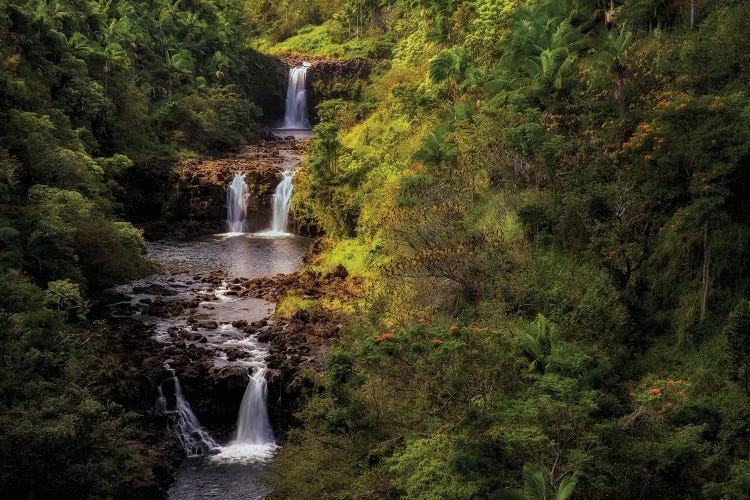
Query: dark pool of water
[200, 478]
[245, 255]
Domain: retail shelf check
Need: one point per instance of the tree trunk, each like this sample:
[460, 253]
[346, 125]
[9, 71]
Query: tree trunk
[706, 263]
[692, 13]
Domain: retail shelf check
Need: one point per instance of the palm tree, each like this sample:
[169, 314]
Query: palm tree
[615, 46]
[536, 487]
[434, 150]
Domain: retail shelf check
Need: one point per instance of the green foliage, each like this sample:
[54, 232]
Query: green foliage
[737, 330]
[580, 162]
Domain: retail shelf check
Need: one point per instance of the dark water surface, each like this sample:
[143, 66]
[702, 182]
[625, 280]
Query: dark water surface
[245, 255]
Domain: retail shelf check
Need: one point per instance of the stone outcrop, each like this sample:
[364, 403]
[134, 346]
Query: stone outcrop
[188, 198]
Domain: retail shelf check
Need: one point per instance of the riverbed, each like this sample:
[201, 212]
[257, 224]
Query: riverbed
[207, 267]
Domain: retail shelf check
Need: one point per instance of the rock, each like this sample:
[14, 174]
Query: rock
[188, 335]
[339, 272]
[208, 325]
[265, 336]
[239, 323]
[300, 315]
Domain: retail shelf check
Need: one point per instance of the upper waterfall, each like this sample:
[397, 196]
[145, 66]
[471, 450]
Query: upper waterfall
[295, 116]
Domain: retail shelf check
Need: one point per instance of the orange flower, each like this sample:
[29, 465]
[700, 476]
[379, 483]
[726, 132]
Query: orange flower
[670, 382]
[437, 341]
[387, 336]
[714, 171]
[704, 179]
[648, 157]
[476, 329]
[422, 320]
[474, 351]
[680, 393]
[668, 403]
[453, 328]
[633, 394]
[706, 187]
[655, 391]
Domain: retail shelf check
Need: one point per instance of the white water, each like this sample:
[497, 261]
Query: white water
[237, 193]
[295, 116]
[282, 199]
[253, 426]
[184, 424]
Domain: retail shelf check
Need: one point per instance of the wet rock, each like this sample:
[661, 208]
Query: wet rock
[188, 335]
[239, 323]
[208, 325]
[265, 336]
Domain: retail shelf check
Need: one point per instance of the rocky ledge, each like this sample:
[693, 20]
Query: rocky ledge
[188, 198]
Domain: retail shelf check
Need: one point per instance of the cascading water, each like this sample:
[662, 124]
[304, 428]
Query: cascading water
[282, 199]
[183, 422]
[295, 116]
[253, 426]
[237, 193]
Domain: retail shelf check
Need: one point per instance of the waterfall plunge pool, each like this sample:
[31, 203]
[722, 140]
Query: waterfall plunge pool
[229, 470]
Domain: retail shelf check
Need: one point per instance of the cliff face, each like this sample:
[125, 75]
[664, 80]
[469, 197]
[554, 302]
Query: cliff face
[188, 198]
[342, 79]
[332, 78]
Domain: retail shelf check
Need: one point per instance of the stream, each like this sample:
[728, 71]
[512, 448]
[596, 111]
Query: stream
[207, 325]
[229, 470]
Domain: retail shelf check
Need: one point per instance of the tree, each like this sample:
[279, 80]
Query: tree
[737, 330]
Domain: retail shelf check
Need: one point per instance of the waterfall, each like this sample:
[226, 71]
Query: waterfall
[295, 116]
[183, 422]
[237, 193]
[253, 426]
[282, 199]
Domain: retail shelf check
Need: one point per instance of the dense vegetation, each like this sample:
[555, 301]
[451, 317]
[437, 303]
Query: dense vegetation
[549, 200]
[546, 200]
[87, 89]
